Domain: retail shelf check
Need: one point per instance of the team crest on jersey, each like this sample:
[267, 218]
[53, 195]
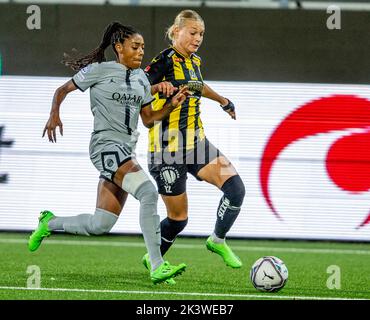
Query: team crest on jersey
[192, 74]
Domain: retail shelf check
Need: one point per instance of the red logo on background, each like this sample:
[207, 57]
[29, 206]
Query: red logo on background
[348, 158]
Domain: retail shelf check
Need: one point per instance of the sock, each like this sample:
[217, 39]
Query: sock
[229, 207]
[216, 239]
[100, 222]
[56, 223]
[150, 222]
[169, 230]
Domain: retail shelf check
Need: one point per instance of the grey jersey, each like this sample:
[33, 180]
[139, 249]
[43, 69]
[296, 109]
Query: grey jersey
[117, 95]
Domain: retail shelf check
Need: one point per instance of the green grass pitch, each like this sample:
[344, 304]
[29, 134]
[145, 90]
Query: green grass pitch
[109, 267]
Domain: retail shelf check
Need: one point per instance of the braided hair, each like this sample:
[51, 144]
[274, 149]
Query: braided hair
[113, 33]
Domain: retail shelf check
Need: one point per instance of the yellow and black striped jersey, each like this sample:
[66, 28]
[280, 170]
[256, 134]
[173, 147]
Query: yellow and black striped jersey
[183, 128]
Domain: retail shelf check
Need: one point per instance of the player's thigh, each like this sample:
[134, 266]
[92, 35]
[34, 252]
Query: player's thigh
[177, 206]
[170, 178]
[217, 171]
[112, 159]
[129, 166]
[110, 197]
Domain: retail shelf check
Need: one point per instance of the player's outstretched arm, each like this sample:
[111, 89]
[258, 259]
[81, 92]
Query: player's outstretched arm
[149, 117]
[54, 119]
[225, 103]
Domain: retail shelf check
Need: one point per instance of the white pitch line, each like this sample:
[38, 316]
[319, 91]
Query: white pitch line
[203, 294]
[191, 246]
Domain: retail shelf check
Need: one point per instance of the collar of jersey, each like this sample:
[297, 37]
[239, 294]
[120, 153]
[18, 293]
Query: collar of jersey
[182, 56]
[123, 66]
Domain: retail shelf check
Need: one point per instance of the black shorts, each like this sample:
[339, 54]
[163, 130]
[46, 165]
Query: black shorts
[169, 170]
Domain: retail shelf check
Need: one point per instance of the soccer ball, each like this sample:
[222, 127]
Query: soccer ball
[269, 274]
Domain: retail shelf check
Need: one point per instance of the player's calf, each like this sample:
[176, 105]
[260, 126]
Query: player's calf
[229, 206]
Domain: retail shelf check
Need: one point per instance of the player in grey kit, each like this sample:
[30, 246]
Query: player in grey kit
[119, 93]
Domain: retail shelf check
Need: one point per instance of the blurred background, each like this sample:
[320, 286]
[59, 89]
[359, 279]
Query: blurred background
[245, 40]
[297, 71]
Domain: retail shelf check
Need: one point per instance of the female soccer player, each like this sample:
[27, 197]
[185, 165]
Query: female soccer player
[177, 145]
[119, 93]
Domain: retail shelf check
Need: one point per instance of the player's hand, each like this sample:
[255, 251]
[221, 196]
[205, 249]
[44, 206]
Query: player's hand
[229, 108]
[166, 88]
[180, 96]
[50, 127]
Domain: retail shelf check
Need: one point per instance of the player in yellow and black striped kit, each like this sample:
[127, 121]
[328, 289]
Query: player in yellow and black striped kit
[177, 144]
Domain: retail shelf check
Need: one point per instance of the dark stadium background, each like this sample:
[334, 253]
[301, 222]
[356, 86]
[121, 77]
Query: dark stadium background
[241, 44]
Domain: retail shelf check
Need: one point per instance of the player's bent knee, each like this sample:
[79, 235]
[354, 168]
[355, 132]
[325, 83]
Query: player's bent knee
[234, 190]
[177, 215]
[132, 181]
[102, 222]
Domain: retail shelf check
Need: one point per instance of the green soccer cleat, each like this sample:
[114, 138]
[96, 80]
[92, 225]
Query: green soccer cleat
[166, 271]
[147, 265]
[146, 261]
[41, 231]
[222, 249]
